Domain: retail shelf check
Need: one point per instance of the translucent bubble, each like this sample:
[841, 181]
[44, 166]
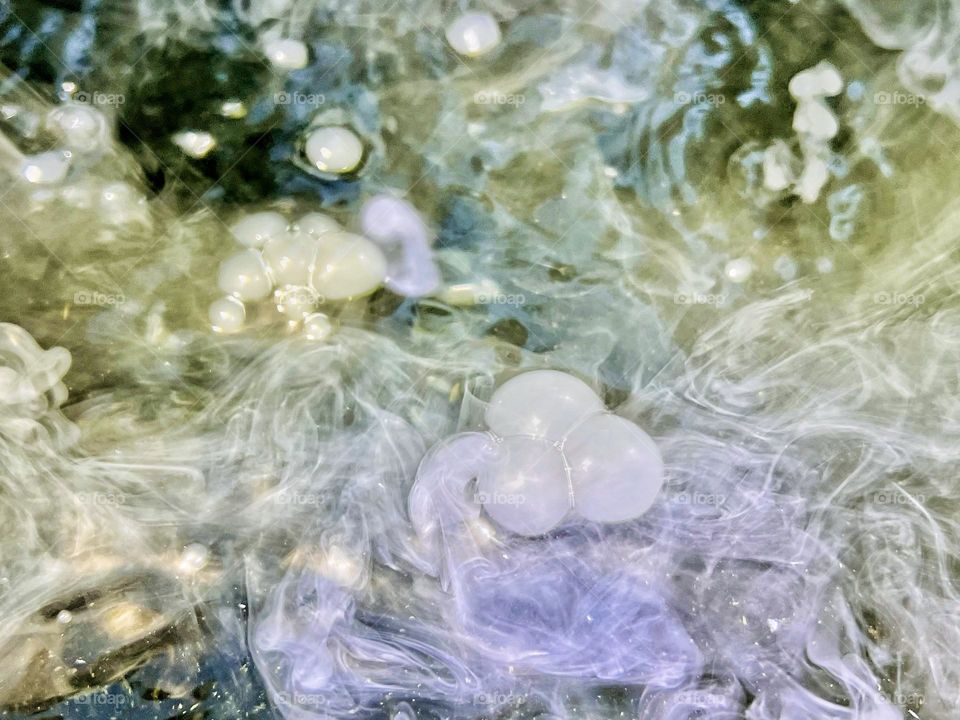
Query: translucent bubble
[46, 168]
[347, 266]
[295, 301]
[541, 403]
[81, 126]
[194, 557]
[525, 488]
[195, 143]
[254, 230]
[318, 224]
[738, 270]
[334, 150]
[821, 80]
[289, 258]
[286, 53]
[317, 327]
[245, 276]
[227, 315]
[615, 468]
[397, 228]
[473, 34]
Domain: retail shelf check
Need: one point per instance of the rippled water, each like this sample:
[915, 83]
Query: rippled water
[667, 200]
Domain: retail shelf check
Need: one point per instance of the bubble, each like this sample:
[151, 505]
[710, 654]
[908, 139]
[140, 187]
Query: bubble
[286, 53]
[289, 258]
[334, 150]
[295, 301]
[81, 126]
[397, 228]
[317, 327]
[524, 488]
[318, 224]
[255, 229]
[542, 403]
[473, 34]
[194, 558]
[347, 266]
[233, 109]
[615, 468]
[821, 80]
[738, 270]
[195, 143]
[245, 276]
[227, 315]
[47, 168]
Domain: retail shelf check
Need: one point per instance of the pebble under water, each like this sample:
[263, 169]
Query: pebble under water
[494, 359]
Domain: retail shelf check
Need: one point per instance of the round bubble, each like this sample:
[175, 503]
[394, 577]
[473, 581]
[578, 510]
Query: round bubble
[473, 33]
[615, 467]
[227, 315]
[256, 229]
[286, 53]
[317, 326]
[245, 276]
[334, 150]
[347, 266]
[525, 488]
[318, 224]
[542, 403]
[289, 257]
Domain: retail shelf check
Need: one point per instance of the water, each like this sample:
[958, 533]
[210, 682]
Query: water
[209, 524]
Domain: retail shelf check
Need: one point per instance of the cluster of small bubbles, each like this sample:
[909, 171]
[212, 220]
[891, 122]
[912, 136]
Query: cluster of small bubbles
[299, 266]
[844, 206]
[559, 449]
[815, 124]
